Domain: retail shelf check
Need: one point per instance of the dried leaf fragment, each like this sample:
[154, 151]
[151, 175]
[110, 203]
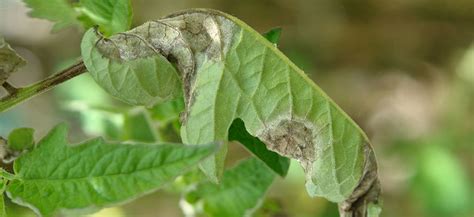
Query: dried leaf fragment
[10, 61]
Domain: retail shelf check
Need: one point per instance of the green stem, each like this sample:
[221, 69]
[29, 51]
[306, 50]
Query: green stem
[25, 93]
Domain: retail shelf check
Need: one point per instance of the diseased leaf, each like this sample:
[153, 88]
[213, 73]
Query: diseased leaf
[56, 176]
[112, 16]
[10, 61]
[277, 163]
[238, 132]
[21, 139]
[61, 12]
[230, 71]
[239, 194]
[138, 78]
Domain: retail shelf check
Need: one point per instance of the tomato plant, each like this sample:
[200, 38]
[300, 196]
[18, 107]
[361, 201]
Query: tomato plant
[227, 81]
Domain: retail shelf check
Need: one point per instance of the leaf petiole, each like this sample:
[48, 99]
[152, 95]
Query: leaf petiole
[25, 93]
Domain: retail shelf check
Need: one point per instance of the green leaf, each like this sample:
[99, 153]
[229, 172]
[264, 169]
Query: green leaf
[239, 194]
[167, 111]
[56, 176]
[139, 127]
[21, 139]
[230, 71]
[3, 212]
[280, 105]
[373, 210]
[6, 175]
[237, 132]
[442, 183]
[132, 77]
[273, 35]
[112, 16]
[10, 61]
[61, 12]
[277, 163]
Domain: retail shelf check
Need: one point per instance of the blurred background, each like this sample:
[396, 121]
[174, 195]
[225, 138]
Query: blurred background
[402, 69]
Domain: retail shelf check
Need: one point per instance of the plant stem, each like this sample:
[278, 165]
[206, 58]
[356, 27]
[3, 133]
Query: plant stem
[25, 93]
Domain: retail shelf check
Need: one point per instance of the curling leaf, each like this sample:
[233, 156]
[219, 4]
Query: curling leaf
[239, 194]
[56, 176]
[230, 71]
[132, 77]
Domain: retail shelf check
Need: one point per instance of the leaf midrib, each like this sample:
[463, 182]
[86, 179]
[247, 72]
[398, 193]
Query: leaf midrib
[104, 176]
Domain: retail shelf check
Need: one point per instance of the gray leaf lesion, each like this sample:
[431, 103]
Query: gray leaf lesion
[186, 39]
[291, 138]
[367, 191]
[297, 139]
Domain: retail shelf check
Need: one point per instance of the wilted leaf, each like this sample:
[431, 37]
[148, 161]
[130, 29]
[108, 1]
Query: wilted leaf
[239, 194]
[10, 61]
[56, 176]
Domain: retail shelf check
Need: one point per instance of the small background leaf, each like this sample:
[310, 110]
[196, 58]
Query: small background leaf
[273, 35]
[240, 192]
[21, 139]
[139, 127]
[61, 12]
[112, 16]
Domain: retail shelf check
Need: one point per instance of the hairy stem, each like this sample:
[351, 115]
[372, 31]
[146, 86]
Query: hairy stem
[25, 93]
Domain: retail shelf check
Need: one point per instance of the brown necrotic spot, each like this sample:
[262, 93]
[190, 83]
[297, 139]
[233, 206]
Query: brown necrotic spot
[291, 138]
[367, 191]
